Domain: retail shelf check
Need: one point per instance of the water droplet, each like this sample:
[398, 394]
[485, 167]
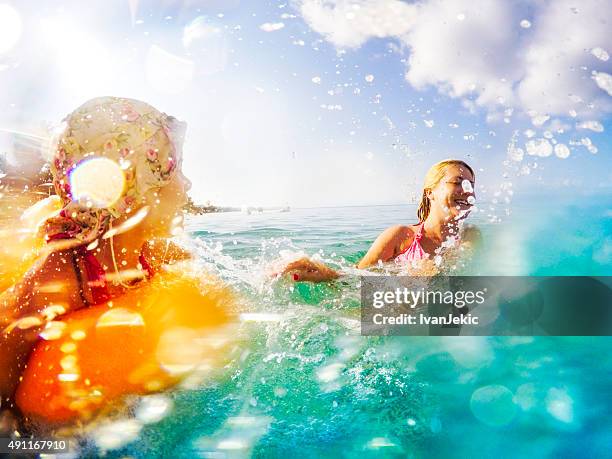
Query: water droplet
[68, 347]
[562, 151]
[153, 408]
[560, 405]
[113, 435]
[53, 330]
[539, 120]
[27, 322]
[594, 126]
[600, 54]
[330, 372]
[78, 335]
[539, 147]
[604, 81]
[272, 26]
[493, 405]
[68, 377]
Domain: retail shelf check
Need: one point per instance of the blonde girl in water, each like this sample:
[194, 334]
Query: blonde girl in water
[107, 308]
[448, 196]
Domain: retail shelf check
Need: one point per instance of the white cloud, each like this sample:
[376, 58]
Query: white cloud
[480, 51]
[558, 60]
[350, 23]
[472, 55]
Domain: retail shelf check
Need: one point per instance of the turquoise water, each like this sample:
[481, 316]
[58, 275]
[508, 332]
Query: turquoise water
[304, 382]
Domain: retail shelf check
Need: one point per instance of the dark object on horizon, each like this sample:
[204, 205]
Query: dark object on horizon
[198, 209]
[193, 208]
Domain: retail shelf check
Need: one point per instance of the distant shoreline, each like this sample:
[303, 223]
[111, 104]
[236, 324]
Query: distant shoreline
[198, 209]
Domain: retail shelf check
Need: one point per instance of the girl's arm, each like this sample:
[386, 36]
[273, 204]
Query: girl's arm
[309, 270]
[19, 327]
[385, 247]
[47, 290]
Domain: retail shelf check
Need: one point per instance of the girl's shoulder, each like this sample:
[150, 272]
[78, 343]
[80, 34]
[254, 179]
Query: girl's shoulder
[403, 236]
[402, 230]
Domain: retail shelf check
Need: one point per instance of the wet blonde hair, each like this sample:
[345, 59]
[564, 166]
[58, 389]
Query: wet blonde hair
[432, 179]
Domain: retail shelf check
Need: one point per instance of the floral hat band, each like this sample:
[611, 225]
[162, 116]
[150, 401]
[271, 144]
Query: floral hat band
[132, 141]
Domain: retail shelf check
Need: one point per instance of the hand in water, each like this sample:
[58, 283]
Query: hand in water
[309, 270]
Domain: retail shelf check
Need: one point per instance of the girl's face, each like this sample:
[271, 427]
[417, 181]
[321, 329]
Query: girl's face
[177, 190]
[454, 195]
[165, 203]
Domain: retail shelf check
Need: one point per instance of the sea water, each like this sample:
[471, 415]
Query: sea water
[305, 383]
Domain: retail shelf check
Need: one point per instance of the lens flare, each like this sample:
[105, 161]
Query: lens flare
[99, 181]
[120, 317]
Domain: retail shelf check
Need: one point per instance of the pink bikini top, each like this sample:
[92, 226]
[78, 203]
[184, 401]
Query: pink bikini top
[414, 252]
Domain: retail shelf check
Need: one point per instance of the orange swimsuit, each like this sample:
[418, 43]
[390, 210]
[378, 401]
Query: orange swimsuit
[142, 341]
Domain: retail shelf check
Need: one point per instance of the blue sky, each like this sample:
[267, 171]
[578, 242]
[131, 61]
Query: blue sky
[332, 102]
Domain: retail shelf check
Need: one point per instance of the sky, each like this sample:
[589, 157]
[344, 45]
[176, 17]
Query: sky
[332, 102]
